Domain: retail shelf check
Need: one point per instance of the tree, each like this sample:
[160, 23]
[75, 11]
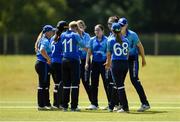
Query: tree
[22, 16]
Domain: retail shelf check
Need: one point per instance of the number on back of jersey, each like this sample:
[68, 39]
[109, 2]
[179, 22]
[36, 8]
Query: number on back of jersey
[120, 49]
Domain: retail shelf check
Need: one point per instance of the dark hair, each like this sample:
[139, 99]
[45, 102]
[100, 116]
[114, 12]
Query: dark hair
[61, 26]
[57, 36]
[100, 26]
[113, 18]
[118, 37]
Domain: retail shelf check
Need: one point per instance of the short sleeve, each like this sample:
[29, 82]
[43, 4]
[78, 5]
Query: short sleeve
[135, 38]
[43, 44]
[109, 47]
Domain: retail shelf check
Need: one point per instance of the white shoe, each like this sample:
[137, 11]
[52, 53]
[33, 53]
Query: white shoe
[92, 107]
[105, 108]
[122, 111]
[48, 107]
[55, 107]
[143, 108]
[45, 108]
[117, 107]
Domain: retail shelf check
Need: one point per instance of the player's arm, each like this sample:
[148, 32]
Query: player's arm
[43, 52]
[142, 53]
[37, 41]
[108, 55]
[45, 55]
[108, 61]
[89, 53]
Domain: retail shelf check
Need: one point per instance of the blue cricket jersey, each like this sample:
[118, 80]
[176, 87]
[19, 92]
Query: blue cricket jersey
[70, 44]
[56, 55]
[133, 41]
[86, 38]
[45, 44]
[118, 51]
[98, 48]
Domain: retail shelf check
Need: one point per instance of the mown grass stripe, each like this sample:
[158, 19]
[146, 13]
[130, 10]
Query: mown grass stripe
[83, 107]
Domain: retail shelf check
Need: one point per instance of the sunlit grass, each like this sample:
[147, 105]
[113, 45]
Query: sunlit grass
[160, 79]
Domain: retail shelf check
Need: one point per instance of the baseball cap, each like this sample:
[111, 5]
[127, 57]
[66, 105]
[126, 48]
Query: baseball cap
[48, 28]
[62, 25]
[123, 21]
[116, 27]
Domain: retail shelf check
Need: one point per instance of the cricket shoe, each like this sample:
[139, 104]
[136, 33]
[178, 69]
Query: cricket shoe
[143, 108]
[92, 107]
[122, 111]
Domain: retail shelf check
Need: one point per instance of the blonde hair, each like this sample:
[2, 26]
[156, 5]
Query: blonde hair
[73, 24]
[82, 23]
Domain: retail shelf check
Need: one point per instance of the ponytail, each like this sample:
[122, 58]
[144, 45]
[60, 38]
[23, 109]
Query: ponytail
[118, 38]
[56, 38]
[57, 35]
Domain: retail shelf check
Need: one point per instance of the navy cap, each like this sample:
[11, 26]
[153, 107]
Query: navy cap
[48, 28]
[123, 21]
[116, 27]
[62, 25]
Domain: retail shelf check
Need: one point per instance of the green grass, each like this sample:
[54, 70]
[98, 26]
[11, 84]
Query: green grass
[160, 78]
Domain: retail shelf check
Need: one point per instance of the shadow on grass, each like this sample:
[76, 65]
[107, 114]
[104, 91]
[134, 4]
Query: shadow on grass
[148, 112]
[81, 111]
[131, 112]
[105, 111]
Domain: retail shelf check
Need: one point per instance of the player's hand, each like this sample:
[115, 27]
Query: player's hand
[86, 67]
[107, 65]
[36, 49]
[143, 62]
[49, 61]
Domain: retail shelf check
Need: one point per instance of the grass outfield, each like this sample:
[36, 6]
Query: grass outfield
[160, 78]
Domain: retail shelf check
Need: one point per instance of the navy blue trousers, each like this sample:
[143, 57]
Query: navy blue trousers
[119, 71]
[43, 71]
[112, 87]
[58, 85]
[133, 72]
[71, 80]
[97, 68]
[85, 76]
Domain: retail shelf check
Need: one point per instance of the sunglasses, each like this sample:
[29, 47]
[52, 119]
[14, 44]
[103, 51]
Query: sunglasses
[109, 23]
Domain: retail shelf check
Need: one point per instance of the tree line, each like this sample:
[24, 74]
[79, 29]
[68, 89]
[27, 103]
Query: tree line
[19, 17]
